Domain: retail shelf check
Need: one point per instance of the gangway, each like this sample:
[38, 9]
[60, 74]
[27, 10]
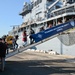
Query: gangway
[46, 35]
[29, 46]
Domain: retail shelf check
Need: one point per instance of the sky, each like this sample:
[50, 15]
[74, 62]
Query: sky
[9, 14]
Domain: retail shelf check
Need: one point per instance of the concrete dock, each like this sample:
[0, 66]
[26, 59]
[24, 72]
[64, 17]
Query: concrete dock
[39, 63]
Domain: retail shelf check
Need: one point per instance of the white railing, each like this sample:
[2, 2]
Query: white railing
[53, 4]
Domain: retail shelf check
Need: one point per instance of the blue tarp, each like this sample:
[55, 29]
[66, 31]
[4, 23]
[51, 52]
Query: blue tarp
[52, 31]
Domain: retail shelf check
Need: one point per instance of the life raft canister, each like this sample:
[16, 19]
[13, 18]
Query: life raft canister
[9, 39]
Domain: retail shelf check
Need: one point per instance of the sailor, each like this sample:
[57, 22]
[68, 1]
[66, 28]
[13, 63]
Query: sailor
[24, 39]
[31, 32]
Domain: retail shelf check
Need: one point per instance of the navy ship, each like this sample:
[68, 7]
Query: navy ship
[56, 17]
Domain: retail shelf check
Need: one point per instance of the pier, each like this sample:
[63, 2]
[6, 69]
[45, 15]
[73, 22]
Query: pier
[31, 62]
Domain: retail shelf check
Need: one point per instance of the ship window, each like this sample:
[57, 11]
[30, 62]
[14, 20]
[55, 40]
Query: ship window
[19, 30]
[27, 27]
[70, 9]
[32, 26]
[32, 4]
[57, 7]
[35, 25]
[70, 1]
[24, 28]
[40, 1]
[49, 0]
[37, 2]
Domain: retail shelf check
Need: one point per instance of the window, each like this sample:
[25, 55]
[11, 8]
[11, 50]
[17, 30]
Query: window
[57, 7]
[37, 2]
[70, 1]
[40, 1]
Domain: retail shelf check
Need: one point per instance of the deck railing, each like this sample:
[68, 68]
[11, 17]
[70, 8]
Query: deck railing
[63, 11]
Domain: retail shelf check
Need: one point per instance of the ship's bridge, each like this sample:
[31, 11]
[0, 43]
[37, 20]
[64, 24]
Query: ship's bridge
[26, 9]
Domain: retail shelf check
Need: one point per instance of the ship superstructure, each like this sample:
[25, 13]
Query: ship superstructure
[43, 13]
[39, 10]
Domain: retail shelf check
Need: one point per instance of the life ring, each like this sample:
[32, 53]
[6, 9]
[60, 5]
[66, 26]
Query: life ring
[9, 39]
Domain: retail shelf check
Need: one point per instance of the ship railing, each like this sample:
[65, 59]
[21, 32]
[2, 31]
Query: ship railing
[63, 10]
[53, 4]
[26, 9]
[39, 19]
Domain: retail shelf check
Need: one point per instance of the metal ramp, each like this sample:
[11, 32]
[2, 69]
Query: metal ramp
[29, 46]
